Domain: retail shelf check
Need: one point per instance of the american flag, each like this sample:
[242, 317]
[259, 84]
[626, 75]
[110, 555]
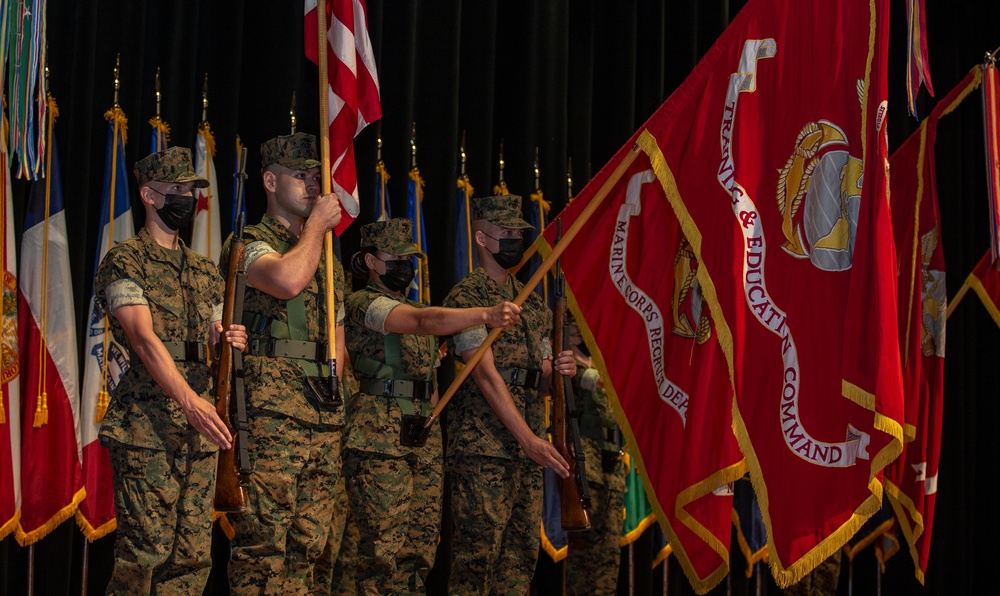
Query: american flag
[354, 89]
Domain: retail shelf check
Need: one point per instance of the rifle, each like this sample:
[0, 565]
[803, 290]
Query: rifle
[233, 474]
[574, 492]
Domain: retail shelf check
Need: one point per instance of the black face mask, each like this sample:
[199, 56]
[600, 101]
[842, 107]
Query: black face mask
[398, 274]
[510, 253]
[176, 211]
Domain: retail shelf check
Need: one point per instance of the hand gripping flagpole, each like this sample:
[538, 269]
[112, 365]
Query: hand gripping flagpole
[327, 188]
[419, 434]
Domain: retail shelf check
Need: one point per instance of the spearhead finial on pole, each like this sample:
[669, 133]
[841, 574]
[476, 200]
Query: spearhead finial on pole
[118, 59]
[569, 181]
[204, 100]
[501, 163]
[462, 150]
[413, 146]
[378, 144]
[157, 91]
[291, 112]
[538, 184]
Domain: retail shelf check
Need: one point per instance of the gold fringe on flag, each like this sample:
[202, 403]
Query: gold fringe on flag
[162, 132]
[206, 131]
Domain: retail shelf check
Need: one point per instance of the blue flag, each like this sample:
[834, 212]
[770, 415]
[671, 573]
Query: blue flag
[161, 132]
[750, 531]
[420, 290]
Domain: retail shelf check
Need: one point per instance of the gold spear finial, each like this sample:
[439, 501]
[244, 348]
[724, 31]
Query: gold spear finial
[462, 149]
[204, 100]
[118, 59]
[378, 143]
[413, 146]
[538, 184]
[157, 91]
[569, 180]
[501, 162]
[291, 112]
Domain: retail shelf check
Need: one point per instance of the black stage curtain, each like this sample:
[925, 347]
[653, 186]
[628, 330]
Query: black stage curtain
[574, 79]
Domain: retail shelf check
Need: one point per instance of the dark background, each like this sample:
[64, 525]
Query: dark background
[574, 79]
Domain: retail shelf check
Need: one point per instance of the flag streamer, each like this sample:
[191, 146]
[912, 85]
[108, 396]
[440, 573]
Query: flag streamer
[991, 129]
[918, 70]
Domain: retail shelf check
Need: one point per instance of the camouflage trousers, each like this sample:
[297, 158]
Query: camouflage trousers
[593, 556]
[396, 503]
[290, 504]
[336, 570]
[163, 504]
[497, 511]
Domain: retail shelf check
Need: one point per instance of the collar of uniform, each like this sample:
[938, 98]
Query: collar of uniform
[512, 282]
[155, 251]
[278, 229]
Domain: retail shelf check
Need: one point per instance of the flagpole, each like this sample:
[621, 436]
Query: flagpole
[326, 186]
[529, 287]
[954, 301]
[31, 569]
[85, 566]
[468, 207]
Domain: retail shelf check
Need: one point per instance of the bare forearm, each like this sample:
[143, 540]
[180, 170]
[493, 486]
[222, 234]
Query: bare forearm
[498, 397]
[161, 367]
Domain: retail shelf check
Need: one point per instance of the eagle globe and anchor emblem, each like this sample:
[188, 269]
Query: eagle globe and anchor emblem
[819, 196]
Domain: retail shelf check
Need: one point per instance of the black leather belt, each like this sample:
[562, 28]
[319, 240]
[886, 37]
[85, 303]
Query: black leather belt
[529, 378]
[288, 348]
[405, 388]
[180, 351]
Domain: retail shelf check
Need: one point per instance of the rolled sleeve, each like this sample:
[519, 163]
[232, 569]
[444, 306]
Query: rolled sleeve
[589, 379]
[469, 339]
[124, 292]
[378, 311]
[254, 251]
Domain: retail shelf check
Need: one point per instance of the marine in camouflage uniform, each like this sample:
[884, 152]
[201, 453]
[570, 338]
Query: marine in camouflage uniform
[294, 429]
[496, 423]
[394, 488]
[162, 298]
[593, 557]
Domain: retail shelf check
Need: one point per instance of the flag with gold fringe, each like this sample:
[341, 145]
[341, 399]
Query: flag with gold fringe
[911, 480]
[751, 535]
[105, 361]
[51, 459]
[10, 390]
[420, 288]
[779, 185]
[205, 233]
[918, 68]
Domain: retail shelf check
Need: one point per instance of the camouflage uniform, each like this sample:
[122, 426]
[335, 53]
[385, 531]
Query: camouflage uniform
[821, 581]
[394, 490]
[497, 489]
[164, 470]
[294, 444]
[592, 560]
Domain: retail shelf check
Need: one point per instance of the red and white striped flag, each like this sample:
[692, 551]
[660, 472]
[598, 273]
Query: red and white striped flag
[51, 457]
[354, 91]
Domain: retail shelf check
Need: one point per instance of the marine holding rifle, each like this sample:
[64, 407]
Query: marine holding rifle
[294, 417]
[394, 484]
[496, 425]
[593, 556]
[164, 303]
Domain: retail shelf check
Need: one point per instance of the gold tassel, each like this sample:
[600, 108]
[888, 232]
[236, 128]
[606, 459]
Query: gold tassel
[3, 414]
[102, 407]
[41, 410]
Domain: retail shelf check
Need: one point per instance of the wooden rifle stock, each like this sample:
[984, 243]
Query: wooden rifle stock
[233, 475]
[574, 492]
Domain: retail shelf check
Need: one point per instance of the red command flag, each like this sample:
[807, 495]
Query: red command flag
[985, 281]
[646, 322]
[773, 156]
[354, 92]
[911, 480]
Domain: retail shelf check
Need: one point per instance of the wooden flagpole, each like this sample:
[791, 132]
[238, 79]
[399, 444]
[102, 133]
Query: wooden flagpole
[327, 188]
[529, 287]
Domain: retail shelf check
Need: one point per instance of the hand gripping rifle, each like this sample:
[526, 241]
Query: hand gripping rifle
[574, 492]
[234, 463]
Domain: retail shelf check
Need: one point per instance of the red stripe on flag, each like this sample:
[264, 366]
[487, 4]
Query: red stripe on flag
[354, 93]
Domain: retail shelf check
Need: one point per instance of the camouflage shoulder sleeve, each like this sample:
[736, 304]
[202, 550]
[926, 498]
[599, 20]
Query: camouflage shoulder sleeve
[469, 339]
[589, 379]
[255, 250]
[378, 311]
[124, 292]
